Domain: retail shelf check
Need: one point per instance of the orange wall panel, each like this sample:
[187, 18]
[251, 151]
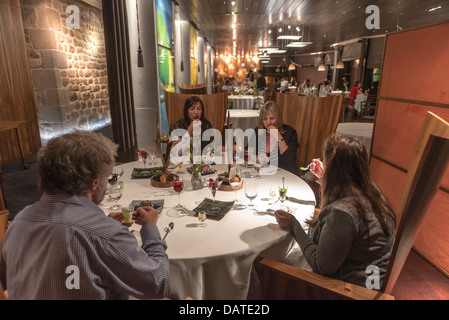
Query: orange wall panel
[417, 63]
[397, 128]
[415, 79]
[389, 180]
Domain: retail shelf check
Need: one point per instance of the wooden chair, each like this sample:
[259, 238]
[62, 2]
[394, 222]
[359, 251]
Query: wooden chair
[193, 89]
[427, 167]
[215, 104]
[3, 225]
[314, 120]
[2, 197]
[367, 112]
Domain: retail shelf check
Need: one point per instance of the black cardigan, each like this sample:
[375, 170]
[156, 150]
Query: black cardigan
[287, 160]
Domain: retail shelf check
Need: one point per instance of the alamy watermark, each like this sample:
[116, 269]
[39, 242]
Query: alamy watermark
[73, 20]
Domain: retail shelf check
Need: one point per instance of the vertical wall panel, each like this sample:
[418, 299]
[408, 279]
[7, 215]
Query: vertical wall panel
[414, 80]
[16, 89]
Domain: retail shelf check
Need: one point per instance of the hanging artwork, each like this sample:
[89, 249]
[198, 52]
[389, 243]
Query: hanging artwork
[193, 56]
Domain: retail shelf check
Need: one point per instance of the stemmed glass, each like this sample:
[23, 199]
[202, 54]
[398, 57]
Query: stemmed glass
[282, 194]
[251, 191]
[202, 217]
[152, 154]
[213, 186]
[115, 192]
[117, 172]
[235, 180]
[178, 186]
[143, 154]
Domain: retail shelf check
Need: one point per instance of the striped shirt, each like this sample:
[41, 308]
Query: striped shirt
[65, 247]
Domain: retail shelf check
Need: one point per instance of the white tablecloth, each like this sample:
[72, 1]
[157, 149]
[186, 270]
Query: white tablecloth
[360, 130]
[244, 102]
[337, 93]
[358, 99]
[244, 119]
[214, 262]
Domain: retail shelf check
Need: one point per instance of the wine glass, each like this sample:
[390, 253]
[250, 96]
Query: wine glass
[202, 217]
[115, 192]
[143, 154]
[214, 184]
[235, 180]
[251, 191]
[178, 186]
[117, 172]
[282, 194]
[152, 154]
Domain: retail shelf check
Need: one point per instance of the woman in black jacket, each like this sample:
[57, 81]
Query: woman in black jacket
[286, 141]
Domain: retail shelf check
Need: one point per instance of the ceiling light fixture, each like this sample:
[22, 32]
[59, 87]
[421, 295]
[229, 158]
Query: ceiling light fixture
[289, 37]
[340, 65]
[321, 67]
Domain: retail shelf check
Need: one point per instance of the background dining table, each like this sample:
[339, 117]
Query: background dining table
[244, 119]
[244, 101]
[215, 261]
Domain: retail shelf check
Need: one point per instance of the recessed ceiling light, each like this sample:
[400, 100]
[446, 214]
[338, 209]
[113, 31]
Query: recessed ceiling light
[288, 37]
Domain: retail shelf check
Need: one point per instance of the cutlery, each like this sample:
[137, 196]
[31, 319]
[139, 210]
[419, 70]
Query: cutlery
[307, 168]
[169, 228]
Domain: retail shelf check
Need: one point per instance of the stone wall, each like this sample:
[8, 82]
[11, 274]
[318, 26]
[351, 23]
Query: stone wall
[68, 66]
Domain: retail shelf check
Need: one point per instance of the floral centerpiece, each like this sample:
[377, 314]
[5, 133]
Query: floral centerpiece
[198, 168]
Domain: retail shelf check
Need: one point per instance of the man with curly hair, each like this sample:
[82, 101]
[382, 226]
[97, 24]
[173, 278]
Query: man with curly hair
[65, 247]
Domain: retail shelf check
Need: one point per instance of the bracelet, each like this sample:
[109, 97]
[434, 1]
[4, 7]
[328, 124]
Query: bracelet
[279, 141]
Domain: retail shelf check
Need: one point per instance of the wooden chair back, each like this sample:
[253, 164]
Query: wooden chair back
[2, 197]
[3, 224]
[314, 120]
[193, 88]
[215, 105]
[427, 168]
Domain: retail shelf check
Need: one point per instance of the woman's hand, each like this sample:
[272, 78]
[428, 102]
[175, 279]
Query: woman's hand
[192, 124]
[317, 168]
[283, 218]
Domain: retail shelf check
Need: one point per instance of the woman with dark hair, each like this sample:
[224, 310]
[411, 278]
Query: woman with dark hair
[286, 140]
[355, 227]
[194, 114]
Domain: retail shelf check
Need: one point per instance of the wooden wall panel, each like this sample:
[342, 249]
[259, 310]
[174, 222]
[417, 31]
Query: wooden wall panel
[417, 64]
[16, 89]
[390, 180]
[397, 126]
[414, 80]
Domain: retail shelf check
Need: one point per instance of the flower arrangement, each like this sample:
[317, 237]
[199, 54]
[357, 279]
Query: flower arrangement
[198, 168]
[345, 83]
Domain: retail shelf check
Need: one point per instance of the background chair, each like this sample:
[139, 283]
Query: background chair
[215, 104]
[193, 89]
[314, 120]
[430, 160]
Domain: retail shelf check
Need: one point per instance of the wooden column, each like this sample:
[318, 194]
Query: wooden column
[120, 80]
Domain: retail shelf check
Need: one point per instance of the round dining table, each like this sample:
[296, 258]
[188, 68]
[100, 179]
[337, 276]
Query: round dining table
[244, 119]
[215, 261]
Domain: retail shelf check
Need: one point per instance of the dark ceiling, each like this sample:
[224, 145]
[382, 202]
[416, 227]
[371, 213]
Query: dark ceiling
[322, 22]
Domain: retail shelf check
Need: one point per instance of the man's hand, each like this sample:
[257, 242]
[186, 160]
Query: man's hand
[145, 215]
[119, 217]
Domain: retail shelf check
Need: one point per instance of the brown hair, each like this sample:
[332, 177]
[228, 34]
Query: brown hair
[347, 175]
[273, 108]
[68, 164]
